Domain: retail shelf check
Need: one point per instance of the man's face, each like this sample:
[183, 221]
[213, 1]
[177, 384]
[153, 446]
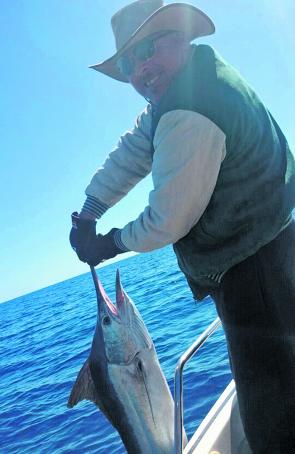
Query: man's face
[153, 62]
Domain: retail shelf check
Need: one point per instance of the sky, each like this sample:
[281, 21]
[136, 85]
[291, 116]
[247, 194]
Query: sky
[59, 119]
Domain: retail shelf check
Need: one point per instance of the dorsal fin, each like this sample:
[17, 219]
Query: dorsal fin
[83, 388]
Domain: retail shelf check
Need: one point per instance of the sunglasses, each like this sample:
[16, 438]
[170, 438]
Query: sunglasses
[142, 51]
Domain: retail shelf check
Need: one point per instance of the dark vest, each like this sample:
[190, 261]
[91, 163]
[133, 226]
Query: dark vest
[255, 190]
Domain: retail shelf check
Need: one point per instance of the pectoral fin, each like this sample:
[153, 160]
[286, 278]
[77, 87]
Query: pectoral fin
[83, 388]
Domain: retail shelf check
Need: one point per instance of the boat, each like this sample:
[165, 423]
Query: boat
[221, 431]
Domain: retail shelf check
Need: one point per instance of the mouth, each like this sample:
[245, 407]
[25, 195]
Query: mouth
[104, 302]
[151, 82]
[111, 308]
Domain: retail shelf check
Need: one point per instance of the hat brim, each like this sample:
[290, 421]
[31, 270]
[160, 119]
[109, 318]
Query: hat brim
[175, 16]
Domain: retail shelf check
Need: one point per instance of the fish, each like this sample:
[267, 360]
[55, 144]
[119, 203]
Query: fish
[123, 377]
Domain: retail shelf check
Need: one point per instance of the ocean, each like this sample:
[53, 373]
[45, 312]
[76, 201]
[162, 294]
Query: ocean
[46, 337]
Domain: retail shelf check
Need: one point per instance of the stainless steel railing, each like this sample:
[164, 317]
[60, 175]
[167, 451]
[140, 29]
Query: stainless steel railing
[178, 383]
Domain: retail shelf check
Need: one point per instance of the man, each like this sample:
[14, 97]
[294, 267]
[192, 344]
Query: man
[224, 190]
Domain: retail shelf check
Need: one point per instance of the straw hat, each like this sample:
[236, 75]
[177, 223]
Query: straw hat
[142, 18]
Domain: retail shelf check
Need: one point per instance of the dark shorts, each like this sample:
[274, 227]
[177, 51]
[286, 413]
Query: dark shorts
[256, 303]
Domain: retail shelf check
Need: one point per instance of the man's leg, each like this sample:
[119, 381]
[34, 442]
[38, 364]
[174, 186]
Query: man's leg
[256, 303]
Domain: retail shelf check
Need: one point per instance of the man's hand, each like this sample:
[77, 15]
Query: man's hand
[103, 248]
[91, 248]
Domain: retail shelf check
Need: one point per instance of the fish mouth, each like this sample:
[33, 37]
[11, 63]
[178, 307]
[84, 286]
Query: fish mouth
[105, 305]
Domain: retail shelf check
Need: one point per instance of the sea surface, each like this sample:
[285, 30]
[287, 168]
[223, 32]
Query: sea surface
[46, 337]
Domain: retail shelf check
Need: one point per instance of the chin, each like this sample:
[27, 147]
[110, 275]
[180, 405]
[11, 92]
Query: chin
[158, 95]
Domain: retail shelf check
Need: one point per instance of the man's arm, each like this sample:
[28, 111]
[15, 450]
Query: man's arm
[189, 149]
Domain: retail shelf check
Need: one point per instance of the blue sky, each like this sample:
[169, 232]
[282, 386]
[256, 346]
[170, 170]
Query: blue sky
[59, 119]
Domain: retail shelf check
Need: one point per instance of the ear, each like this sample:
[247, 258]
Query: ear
[83, 388]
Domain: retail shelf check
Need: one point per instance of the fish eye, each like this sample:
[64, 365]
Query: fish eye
[106, 320]
[140, 366]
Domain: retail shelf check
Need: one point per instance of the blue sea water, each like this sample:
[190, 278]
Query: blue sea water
[46, 337]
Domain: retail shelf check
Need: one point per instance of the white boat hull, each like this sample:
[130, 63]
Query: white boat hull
[221, 432]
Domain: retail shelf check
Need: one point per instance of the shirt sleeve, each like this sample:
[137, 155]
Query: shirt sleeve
[189, 149]
[125, 166]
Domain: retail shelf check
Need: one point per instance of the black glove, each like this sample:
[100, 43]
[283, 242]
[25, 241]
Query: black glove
[91, 248]
[103, 248]
[82, 235]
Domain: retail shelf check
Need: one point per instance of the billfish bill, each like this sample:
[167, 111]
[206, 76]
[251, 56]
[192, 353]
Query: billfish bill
[123, 377]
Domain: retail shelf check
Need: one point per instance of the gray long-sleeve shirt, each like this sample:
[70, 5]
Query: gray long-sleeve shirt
[188, 151]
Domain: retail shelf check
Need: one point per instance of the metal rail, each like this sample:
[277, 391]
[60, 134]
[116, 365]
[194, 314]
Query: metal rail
[178, 384]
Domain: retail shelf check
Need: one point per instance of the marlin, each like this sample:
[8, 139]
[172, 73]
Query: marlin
[123, 377]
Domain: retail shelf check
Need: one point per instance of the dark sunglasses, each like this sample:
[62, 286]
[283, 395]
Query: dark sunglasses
[142, 51]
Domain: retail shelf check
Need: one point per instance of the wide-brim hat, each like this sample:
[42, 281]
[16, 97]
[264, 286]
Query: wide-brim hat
[143, 18]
